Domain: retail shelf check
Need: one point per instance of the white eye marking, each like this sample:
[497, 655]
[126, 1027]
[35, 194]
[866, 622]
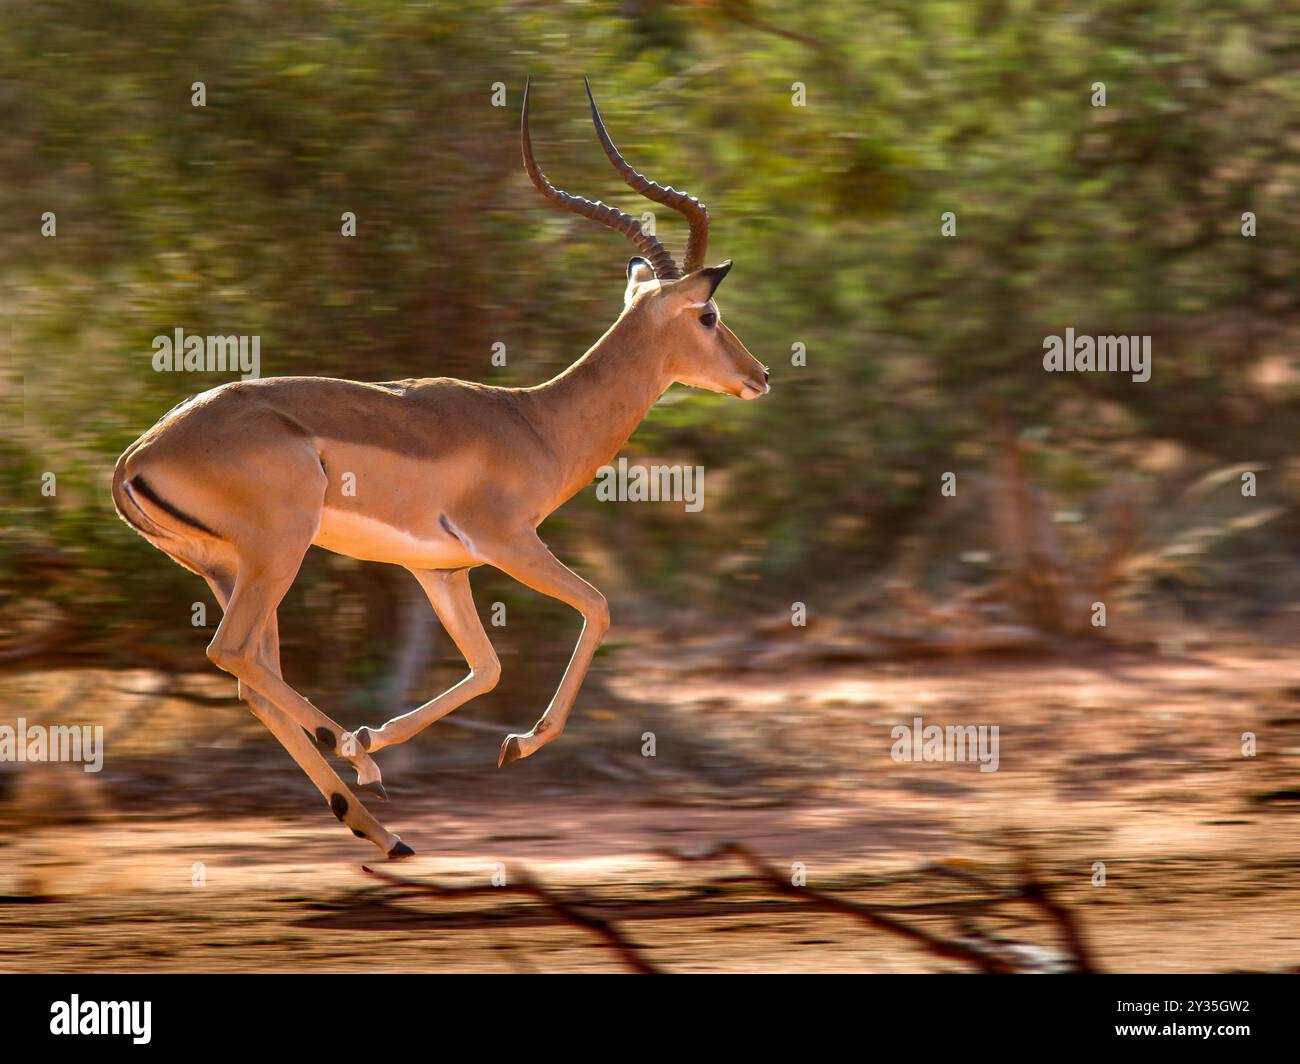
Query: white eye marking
[709, 307]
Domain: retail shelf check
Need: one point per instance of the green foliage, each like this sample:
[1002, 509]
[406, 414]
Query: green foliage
[1122, 219]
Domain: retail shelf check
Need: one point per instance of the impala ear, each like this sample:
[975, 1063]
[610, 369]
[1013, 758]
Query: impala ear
[638, 272]
[701, 285]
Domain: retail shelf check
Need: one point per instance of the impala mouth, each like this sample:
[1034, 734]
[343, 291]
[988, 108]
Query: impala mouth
[754, 389]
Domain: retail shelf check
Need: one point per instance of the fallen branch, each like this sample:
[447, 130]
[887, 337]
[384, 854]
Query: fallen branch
[987, 954]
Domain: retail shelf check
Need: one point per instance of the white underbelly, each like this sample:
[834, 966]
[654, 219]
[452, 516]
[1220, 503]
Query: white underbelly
[358, 536]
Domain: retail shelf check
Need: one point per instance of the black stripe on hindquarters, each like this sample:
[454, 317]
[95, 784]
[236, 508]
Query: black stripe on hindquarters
[138, 484]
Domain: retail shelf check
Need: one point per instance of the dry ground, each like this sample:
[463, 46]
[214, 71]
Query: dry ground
[1127, 759]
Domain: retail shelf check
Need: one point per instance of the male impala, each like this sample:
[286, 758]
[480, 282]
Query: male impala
[236, 483]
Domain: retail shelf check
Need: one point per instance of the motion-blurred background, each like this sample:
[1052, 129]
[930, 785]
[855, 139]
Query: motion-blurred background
[828, 141]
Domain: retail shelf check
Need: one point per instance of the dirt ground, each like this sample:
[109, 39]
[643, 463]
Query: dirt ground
[1132, 760]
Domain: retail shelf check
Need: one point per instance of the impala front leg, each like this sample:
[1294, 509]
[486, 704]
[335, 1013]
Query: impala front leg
[528, 561]
[449, 593]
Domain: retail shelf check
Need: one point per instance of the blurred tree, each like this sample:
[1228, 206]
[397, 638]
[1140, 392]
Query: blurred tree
[226, 218]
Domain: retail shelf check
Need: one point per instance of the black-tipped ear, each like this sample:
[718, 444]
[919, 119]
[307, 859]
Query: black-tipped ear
[714, 275]
[639, 271]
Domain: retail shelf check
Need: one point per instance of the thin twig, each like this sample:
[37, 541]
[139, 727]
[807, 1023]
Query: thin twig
[1039, 894]
[525, 883]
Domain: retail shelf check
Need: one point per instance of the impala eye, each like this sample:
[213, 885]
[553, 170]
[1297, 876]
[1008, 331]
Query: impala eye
[708, 319]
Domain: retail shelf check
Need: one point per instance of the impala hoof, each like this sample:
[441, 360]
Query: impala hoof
[509, 751]
[399, 851]
[375, 789]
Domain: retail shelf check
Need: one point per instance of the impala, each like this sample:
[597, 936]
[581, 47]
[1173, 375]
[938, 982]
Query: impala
[236, 483]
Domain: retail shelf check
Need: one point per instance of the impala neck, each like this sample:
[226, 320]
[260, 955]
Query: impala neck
[588, 412]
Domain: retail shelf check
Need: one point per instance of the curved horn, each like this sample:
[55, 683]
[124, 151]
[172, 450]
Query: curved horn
[660, 259]
[688, 206]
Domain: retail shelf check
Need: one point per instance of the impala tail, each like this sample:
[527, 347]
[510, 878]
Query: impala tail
[127, 508]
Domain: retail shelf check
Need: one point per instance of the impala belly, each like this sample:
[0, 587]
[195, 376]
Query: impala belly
[385, 506]
[359, 536]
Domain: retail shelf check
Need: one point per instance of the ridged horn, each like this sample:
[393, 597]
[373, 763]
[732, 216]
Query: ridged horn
[657, 255]
[686, 205]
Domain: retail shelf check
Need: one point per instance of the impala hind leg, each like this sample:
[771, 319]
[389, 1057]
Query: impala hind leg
[449, 594]
[529, 561]
[255, 671]
[235, 649]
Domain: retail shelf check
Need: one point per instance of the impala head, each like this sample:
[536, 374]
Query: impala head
[675, 302]
[687, 326]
